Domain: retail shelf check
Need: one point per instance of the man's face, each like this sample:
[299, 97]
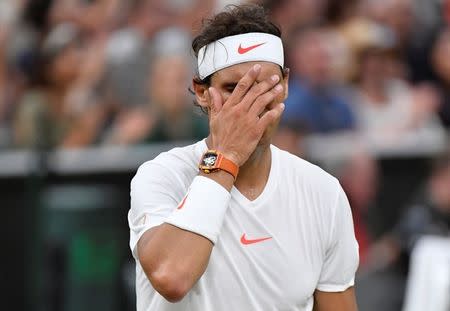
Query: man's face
[225, 81]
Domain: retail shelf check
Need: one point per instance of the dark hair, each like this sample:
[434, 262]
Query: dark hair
[235, 20]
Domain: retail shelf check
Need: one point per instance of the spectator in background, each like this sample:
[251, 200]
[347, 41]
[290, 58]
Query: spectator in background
[169, 113]
[441, 64]
[351, 32]
[176, 117]
[129, 51]
[388, 110]
[347, 30]
[49, 111]
[315, 101]
[406, 18]
[398, 15]
[93, 17]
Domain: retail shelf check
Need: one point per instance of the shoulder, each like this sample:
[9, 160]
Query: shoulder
[179, 156]
[179, 163]
[315, 193]
[305, 173]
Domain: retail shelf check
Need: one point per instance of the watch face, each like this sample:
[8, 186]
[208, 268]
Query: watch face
[209, 159]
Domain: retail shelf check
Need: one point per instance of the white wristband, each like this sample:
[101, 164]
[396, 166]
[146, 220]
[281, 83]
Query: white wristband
[203, 208]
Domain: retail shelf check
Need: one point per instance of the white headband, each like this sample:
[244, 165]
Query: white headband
[247, 47]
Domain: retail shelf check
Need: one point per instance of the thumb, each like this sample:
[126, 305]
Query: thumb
[215, 100]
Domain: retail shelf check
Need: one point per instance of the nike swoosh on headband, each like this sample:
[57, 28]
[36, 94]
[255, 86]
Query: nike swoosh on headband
[242, 50]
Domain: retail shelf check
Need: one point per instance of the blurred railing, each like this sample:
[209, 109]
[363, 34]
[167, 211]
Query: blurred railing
[82, 161]
[108, 159]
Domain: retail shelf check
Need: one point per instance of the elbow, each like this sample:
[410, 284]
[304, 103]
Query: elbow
[169, 284]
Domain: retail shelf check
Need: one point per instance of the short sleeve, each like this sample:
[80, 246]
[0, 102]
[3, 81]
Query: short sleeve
[341, 256]
[154, 193]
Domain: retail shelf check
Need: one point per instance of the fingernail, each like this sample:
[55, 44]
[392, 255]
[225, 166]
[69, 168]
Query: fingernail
[282, 106]
[256, 67]
[278, 88]
[275, 78]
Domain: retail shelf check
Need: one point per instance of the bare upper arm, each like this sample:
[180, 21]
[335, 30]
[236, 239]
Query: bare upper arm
[173, 259]
[335, 301]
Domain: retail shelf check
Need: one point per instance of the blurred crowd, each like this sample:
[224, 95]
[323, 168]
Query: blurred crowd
[76, 73]
[79, 73]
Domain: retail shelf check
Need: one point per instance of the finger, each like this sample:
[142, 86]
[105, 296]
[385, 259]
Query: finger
[214, 99]
[259, 89]
[244, 84]
[265, 99]
[270, 116]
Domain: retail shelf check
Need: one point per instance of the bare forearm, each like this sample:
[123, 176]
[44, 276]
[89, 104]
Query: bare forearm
[180, 259]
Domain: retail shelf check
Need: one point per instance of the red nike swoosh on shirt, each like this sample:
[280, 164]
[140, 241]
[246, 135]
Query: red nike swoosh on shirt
[246, 241]
[242, 50]
[182, 203]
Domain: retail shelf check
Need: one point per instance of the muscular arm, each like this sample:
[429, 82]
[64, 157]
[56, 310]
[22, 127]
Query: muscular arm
[335, 301]
[180, 259]
[174, 259]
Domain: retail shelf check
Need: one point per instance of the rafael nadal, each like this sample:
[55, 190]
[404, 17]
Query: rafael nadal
[232, 222]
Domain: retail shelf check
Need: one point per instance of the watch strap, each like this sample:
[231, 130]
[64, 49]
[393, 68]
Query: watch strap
[227, 165]
[221, 163]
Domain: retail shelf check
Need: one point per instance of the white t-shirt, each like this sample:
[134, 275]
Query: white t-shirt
[302, 211]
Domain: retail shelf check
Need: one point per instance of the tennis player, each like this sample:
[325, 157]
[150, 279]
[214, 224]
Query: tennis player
[232, 222]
